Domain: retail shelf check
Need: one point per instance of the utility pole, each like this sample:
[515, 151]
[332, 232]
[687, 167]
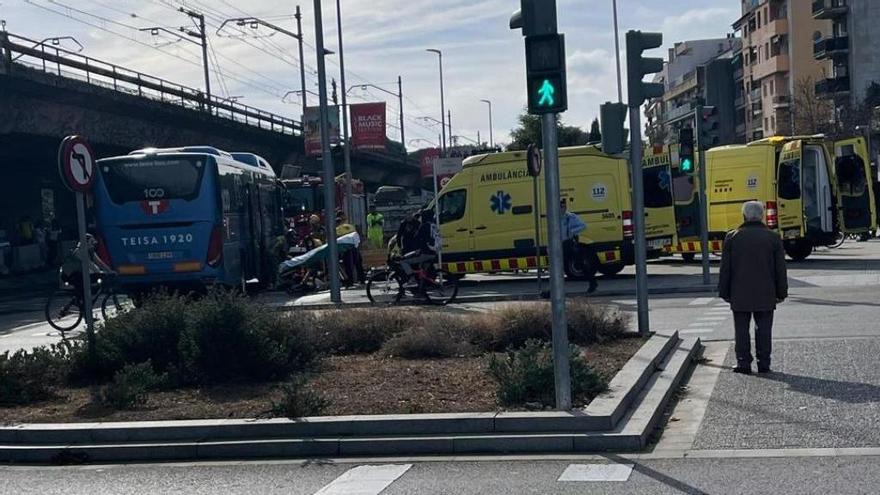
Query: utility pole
[491, 138]
[617, 55]
[202, 35]
[347, 149]
[449, 123]
[704, 206]
[302, 68]
[400, 104]
[327, 158]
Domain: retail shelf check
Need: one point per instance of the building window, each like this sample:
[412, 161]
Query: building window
[766, 15]
[772, 88]
[767, 51]
[764, 89]
[773, 122]
[766, 123]
[759, 19]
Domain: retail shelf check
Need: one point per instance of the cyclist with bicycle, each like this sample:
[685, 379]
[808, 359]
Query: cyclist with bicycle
[424, 241]
[71, 269]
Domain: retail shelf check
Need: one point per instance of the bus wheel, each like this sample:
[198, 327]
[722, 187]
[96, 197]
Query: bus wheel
[581, 266]
[799, 250]
[688, 257]
[611, 269]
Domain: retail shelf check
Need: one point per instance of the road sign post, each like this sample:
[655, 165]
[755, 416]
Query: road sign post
[534, 168]
[76, 165]
[704, 206]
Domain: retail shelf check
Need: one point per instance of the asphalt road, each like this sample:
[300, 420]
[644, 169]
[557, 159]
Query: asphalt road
[728, 476]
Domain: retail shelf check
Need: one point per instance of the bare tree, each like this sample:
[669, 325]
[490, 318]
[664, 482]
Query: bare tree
[811, 115]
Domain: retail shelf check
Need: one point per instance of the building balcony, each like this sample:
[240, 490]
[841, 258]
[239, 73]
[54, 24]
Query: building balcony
[740, 129]
[738, 74]
[755, 95]
[776, 27]
[781, 101]
[829, 9]
[779, 63]
[832, 87]
[678, 112]
[739, 102]
[830, 47]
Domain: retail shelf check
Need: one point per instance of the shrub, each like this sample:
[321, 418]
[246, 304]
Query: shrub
[588, 324]
[130, 386]
[298, 401]
[425, 343]
[526, 375]
[360, 331]
[27, 377]
[219, 338]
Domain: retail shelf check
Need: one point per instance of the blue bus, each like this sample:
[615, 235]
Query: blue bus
[187, 217]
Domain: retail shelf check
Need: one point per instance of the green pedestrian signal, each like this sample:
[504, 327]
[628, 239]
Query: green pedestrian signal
[546, 93]
[687, 165]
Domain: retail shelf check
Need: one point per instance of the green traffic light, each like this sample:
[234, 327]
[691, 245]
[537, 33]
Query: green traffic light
[687, 165]
[546, 93]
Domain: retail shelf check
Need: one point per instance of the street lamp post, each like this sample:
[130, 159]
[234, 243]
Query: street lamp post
[442, 100]
[491, 138]
[347, 149]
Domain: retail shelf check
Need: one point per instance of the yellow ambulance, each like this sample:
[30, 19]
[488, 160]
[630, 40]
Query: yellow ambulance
[487, 213]
[812, 189]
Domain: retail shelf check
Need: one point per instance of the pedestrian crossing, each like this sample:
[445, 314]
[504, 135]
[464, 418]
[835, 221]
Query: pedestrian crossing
[713, 313]
[375, 479]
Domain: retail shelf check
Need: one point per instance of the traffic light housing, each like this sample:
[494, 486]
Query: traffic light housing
[637, 67]
[686, 150]
[611, 119]
[709, 125]
[545, 73]
[545, 56]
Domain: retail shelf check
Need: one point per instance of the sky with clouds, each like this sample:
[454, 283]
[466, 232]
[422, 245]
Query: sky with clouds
[482, 58]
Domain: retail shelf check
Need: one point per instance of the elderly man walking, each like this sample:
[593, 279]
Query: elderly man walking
[753, 280]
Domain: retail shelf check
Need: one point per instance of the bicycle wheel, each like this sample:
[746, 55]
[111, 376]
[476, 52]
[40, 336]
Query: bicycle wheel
[384, 287]
[63, 311]
[442, 290]
[112, 306]
[839, 240]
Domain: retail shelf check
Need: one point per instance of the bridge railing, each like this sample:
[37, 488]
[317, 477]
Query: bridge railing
[18, 50]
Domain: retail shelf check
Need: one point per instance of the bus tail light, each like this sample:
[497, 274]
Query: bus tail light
[102, 251]
[215, 247]
[772, 215]
[628, 228]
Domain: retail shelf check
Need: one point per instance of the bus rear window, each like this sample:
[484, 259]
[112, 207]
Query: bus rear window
[658, 187]
[153, 178]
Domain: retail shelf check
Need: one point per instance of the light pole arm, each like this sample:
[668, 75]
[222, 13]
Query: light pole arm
[241, 21]
[365, 86]
[155, 31]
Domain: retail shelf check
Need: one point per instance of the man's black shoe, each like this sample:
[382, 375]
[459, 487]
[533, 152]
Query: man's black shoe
[593, 286]
[763, 369]
[742, 370]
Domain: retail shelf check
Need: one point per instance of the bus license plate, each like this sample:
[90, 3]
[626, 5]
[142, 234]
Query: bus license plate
[161, 255]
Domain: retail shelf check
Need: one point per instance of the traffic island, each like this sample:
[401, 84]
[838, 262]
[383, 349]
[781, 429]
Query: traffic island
[454, 384]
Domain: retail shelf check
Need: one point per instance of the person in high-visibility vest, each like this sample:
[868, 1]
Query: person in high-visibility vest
[375, 228]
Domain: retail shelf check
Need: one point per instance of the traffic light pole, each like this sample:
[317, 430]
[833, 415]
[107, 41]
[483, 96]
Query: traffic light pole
[704, 205]
[327, 160]
[638, 200]
[562, 376]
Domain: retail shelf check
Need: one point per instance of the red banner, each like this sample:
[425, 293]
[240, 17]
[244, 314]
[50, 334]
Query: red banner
[368, 126]
[426, 160]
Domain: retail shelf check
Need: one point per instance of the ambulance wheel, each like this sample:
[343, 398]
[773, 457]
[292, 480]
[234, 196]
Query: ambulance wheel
[581, 266]
[611, 270]
[798, 251]
[688, 257]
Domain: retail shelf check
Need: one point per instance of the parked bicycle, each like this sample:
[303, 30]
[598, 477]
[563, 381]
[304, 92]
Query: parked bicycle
[388, 285]
[64, 308]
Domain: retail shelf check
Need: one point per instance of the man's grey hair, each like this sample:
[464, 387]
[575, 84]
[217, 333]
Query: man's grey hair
[753, 211]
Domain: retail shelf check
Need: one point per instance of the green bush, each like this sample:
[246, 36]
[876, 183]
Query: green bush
[131, 385]
[526, 376]
[28, 377]
[360, 331]
[298, 401]
[588, 324]
[219, 338]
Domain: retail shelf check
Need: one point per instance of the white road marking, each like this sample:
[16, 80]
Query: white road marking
[701, 301]
[365, 480]
[702, 324]
[596, 472]
[712, 318]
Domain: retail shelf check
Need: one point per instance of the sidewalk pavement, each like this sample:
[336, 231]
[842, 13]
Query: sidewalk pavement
[821, 394]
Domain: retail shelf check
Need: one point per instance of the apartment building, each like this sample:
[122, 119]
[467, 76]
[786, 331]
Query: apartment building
[850, 51]
[777, 56]
[697, 72]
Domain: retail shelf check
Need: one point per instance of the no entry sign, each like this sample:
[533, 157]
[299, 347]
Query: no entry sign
[76, 163]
